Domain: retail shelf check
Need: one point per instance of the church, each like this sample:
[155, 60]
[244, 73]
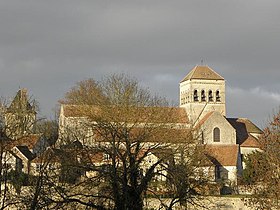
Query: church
[202, 100]
[202, 95]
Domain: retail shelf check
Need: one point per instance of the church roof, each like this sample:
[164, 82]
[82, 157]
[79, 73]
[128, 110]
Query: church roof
[223, 155]
[244, 128]
[142, 114]
[202, 72]
[250, 141]
[244, 123]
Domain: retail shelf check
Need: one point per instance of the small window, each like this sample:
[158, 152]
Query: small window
[106, 157]
[210, 95]
[38, 167]
[203, 97]
[19, 165]
[217, 172]
[218, 97]
[195, 96]
[216, 135]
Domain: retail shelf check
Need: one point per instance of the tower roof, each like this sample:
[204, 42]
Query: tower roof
[21, 102]
[202, 72]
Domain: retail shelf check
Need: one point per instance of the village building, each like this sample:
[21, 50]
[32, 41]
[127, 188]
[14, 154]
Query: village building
[202, 107]
[18, 137]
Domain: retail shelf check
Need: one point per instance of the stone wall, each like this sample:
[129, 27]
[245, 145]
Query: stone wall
[211, 202]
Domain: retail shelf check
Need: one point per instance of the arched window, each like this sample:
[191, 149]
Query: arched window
[210, 95]
[203, 97]
[218, 97]
[216, 135]
[195, 96]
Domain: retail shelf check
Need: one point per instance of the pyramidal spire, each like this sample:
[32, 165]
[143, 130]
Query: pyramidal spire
[202, 72]
[21, 102]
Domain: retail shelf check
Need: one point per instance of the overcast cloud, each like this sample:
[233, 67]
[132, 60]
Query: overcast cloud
[47, 46]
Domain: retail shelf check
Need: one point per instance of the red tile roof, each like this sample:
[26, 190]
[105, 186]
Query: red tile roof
[78, 110]
[225, 155]
[202, 72]
[146, 134]
[141, 114]
[244, 123]
[30, 141]
[244, 128]
[50, 155]
[250, 141]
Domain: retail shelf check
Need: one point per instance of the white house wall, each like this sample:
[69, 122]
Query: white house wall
[232, 173]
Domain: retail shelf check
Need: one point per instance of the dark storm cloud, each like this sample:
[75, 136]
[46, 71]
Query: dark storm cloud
[47, 46]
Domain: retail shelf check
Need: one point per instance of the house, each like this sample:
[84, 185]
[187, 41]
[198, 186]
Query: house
[22, 157]
[202, 106]
[21, 152]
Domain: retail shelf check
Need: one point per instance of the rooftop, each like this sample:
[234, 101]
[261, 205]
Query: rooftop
[224, 155]
[203, 72]
[21, 103]
[132, 114]
[244, 125]
[26, 152]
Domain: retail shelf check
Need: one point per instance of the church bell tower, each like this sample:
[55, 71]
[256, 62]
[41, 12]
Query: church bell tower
[202, 91]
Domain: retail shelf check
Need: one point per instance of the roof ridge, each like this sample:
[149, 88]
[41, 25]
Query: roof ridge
[204, 119]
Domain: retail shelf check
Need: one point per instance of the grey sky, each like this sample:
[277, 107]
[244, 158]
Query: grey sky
[47, 46]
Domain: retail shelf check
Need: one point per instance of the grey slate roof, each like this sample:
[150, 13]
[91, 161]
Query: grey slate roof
[26, 152]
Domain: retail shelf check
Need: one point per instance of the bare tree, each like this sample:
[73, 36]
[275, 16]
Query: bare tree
[6, 190]
[263, 169]
[130, 142]
[130, 127]
[86, 92]
[188, 176]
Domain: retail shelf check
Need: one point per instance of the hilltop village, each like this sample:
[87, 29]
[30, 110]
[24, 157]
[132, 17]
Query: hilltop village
[86, 135]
